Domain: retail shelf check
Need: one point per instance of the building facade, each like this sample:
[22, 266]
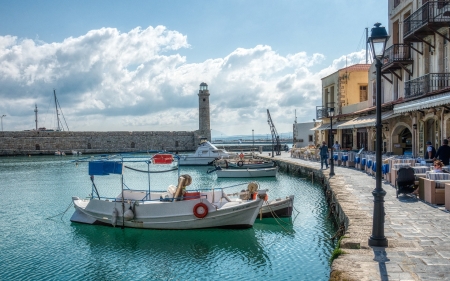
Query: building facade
[415, 84]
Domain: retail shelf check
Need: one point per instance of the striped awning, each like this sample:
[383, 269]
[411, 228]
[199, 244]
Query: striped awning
[327, 126]
[366, 121]
[423, 103]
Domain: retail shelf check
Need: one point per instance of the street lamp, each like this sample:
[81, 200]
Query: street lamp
[378, 39]
[2, 120]
[331, 114]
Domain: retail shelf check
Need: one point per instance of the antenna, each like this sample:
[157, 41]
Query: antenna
[295, 116]
[36, 116]
[367, 44]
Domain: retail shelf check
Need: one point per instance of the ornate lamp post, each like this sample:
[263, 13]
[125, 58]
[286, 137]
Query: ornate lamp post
[378, 39]
[331, 114]
[253, 136]
[2, 120]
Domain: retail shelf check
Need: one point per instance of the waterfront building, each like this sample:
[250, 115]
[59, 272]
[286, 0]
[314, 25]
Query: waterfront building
[302, 134]
[415, 85]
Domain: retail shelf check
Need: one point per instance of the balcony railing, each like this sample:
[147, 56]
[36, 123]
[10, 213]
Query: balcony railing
[429, 83]
[397, 53]
[430, 12]
[321, 112]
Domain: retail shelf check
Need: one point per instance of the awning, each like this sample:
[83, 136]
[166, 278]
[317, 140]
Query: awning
[366, 121]
[327, 126]
[422, 103]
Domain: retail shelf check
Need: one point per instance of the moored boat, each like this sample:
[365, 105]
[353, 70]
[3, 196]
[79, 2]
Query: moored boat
[172, 209]
[205, 154]
[244, 173]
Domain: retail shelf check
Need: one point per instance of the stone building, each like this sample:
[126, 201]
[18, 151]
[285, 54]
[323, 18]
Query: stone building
[49, 141]
[415, 84]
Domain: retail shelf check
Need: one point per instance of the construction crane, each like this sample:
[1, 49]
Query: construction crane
[276, 145]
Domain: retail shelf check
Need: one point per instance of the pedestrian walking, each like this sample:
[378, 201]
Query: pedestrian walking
[443, 152]
[323, 155]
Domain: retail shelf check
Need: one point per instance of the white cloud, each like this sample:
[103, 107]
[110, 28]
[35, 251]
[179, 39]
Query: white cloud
[109, 80]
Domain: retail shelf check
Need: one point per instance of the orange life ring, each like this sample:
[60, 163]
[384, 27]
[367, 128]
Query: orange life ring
[200, 210]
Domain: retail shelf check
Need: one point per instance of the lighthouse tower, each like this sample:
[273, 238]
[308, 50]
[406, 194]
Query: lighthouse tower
[203, 112]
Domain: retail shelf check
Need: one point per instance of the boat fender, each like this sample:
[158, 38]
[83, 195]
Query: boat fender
[114, 217]
[240, 163]
[226, 164]
[128, 215]
[200, 210]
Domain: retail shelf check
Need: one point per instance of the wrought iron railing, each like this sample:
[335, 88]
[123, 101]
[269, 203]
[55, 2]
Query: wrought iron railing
[397, 52]
[430, 12]
[321, 112]
[423, 85]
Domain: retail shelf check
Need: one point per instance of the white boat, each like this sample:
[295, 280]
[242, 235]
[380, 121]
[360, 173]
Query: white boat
[275, 208]
[245, 173]
[205, 154]
[60, 153]
[74, 152]
[171, 209]
[244, 164]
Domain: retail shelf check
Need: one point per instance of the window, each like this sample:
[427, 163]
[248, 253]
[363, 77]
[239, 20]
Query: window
[176, 143]
[362, 93]
[310, 138]
[38, 147]
[89, 146]
[133, 145]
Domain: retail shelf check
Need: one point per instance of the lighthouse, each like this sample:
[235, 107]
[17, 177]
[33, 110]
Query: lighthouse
[203, 112]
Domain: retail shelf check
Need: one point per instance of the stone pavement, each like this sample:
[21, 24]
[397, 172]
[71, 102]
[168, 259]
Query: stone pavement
[418, 233]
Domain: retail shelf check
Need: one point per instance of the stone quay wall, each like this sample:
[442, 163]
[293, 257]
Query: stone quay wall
[48, 142]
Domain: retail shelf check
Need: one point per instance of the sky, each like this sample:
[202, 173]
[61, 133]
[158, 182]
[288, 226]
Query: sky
[137, 65]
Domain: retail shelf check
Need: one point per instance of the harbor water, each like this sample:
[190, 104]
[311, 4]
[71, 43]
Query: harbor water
[38, 241]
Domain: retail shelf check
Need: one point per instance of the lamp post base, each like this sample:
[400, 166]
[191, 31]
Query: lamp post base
[378, 242]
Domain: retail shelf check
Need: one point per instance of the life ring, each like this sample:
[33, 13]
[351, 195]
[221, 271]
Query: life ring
[240, 163]
[200, 210]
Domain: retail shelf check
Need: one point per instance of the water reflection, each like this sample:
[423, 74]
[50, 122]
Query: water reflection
[190, 249]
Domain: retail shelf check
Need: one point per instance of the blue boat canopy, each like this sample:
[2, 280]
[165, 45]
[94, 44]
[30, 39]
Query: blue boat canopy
[103, 168]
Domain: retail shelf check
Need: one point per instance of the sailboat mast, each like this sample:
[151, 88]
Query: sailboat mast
[57, 113]
[36, 116]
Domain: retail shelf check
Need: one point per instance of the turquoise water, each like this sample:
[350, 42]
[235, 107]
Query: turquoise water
[34, 247]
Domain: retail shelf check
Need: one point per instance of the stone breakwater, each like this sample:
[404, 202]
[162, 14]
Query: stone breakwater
[47, 142]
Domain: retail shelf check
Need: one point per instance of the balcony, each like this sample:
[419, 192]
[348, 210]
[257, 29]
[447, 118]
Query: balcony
[396, 57]
[430, 83]
[426, 20]
[321, 112]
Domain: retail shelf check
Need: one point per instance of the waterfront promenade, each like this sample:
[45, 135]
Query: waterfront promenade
[418, 232]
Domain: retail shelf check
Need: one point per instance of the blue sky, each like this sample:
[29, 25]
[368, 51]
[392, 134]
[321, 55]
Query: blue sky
[137, 65]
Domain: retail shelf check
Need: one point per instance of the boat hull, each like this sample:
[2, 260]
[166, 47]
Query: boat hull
[247, 173]
[166, 215]
[279, 208]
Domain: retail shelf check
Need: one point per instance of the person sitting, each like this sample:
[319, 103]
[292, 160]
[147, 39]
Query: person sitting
[438, 166]
[430, 151]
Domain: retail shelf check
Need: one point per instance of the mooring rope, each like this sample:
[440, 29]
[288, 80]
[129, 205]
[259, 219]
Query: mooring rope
[62, 213]
[151, 172]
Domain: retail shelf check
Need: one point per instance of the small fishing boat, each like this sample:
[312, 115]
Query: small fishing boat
[275, 208]
[205, 154]
[244, 173]
[60, 153]
[244, 164]
[175, 208]
[77, 153]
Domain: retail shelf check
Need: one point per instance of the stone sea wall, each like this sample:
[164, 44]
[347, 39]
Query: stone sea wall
[47, 142]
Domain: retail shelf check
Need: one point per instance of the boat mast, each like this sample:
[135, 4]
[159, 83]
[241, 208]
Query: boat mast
[36, 116]
[57, 113]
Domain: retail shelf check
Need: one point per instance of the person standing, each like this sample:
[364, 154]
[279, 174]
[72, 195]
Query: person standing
[323, 155]
[443, 152]
[337, 146]
[430, 152]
